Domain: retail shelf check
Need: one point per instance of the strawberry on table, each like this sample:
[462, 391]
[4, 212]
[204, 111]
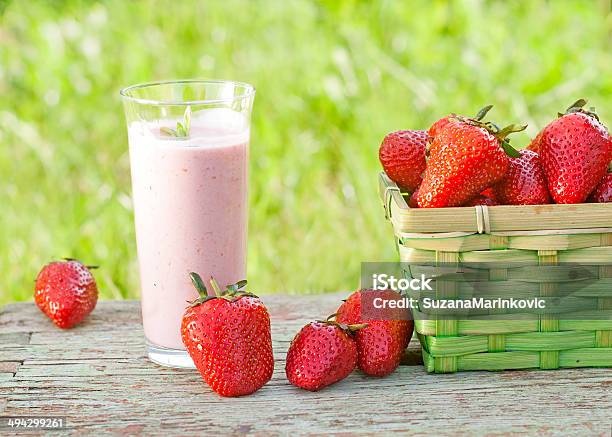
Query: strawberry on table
[603, 191]
[381, 342]
[575, 150]
[402, 155]
[228, 337]
[466, 157]
[322, 353]
[525, 183]
[66, 292]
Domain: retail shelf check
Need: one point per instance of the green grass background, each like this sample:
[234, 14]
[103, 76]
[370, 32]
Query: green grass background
[332, 78]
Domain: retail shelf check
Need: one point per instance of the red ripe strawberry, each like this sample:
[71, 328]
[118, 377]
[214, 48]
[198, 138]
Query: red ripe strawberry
[524, 183]
[402, 155]
[575, 150]
[321, 354]
[490, 194]
[386, 334]
[465, 158]
[481, 200]
[228, 338]
[412, 202]
[603, 191]
[66, 292]
[439, 125]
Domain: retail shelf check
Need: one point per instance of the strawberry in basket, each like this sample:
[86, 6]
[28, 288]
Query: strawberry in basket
[402, 155]
[481, 200]
[575, 150]
[525, 183]
[603, 191]
[466, 157]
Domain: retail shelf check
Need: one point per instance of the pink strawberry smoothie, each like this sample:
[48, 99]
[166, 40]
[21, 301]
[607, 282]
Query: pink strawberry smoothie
[190, 206]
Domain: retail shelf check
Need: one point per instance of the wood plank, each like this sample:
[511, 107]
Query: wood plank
[97, 376]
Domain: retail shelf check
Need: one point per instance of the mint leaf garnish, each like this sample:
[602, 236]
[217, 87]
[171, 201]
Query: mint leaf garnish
[182, 129]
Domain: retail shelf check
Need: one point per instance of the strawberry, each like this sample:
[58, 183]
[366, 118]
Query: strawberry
[66, 292]
[465, 157]
[412, 201]
[575, 150]
[524, 183]
[490, 194]
[386, 334]
[228, 338]
[481, 200]
[322, 353]
[402, 155]
[603, 191]
[439, 125]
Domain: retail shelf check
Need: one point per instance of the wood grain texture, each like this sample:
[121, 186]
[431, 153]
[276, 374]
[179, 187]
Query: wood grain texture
[98, 377]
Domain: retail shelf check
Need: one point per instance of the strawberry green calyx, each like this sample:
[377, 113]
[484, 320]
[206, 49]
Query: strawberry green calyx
[90, 267]
[237, 286]
[578, 106]
[505, 143]
[198, 283]
[231, 293]
[500, 134]
[481, 114]
[215, 286]
[350, 328]
[510, 151]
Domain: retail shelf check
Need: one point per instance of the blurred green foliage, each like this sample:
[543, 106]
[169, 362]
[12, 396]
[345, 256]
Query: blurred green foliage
[332, 78]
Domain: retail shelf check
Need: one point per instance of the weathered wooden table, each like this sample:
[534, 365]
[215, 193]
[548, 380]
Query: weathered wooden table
[97, 376]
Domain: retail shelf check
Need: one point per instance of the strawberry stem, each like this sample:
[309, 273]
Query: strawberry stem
[357, 327]
[345, 327]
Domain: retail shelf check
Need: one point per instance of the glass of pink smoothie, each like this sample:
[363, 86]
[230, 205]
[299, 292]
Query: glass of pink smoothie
[189, 147]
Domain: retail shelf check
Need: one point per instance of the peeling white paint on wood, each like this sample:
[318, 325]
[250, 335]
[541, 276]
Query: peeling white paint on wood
[97, 376]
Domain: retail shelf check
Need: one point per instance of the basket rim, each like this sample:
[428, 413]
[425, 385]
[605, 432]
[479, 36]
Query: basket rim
[550, 219]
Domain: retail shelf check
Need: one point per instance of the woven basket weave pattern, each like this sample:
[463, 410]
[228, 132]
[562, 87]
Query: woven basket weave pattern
[541, 237]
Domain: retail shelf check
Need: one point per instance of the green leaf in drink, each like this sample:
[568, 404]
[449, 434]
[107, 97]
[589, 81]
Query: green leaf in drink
[182, 128]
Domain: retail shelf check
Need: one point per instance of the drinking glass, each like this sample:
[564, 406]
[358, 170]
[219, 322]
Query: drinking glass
[189, 148]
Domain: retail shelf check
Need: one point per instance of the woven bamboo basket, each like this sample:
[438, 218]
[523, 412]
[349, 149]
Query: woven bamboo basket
[532, 240]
